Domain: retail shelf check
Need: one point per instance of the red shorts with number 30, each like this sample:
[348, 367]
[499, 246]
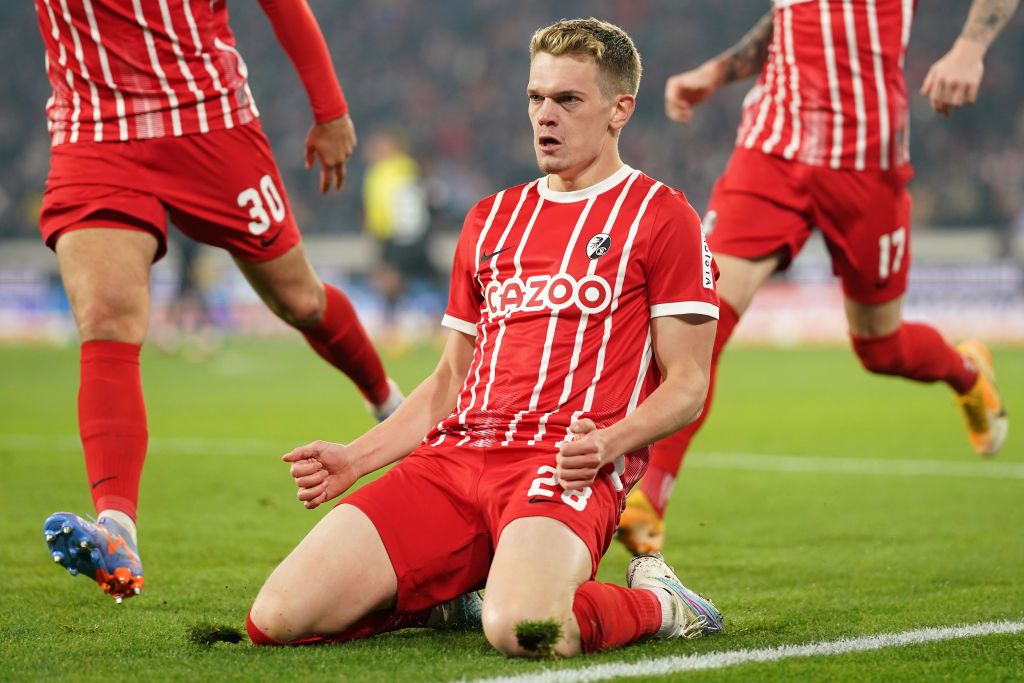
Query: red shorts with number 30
[763, 203]
[441, 511]
[221, 188]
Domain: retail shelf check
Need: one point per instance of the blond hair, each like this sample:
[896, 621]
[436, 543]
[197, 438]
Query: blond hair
[617, 59]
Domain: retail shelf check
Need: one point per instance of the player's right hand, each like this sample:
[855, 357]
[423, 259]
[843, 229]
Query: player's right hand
[332, 142]
[953, 81]
[684, 90]
[322, 471]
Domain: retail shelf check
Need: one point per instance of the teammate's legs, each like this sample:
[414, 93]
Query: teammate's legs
[757, 222]
[866, 221]
[739, 280]
[323, 314]
[886, 345]
[231, 196]
[106, 276]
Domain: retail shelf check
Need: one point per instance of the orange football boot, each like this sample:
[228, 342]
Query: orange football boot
[983, 409]
[641, 530]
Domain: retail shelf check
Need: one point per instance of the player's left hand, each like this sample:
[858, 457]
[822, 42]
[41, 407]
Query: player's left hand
[578, 461]
[332, 142]
[953, 81]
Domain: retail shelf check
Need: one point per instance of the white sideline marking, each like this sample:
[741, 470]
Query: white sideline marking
[664, 666]
[967, 468]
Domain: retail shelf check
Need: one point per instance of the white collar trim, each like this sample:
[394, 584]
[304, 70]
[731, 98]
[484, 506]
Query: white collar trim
[587, 192]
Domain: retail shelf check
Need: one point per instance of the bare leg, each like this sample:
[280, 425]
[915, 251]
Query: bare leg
[106, 276]
[326, 318]
[741, 278]
[337, 575]
[873, 321]
[538, 566]
[289, 286]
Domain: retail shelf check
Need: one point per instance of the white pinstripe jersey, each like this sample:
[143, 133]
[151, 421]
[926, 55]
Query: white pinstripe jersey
[137, 69]
[832, 91]
[558, 289]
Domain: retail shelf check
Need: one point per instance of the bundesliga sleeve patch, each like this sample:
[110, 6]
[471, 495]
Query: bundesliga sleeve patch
[708, 279]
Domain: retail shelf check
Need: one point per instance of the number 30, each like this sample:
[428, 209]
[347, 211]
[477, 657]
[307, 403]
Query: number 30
[250, 199]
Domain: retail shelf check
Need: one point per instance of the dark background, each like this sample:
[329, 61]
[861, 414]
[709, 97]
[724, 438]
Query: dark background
[452, 75]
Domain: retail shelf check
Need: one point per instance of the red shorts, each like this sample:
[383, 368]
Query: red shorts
[221, 188]
[763, 203]
[441, 510]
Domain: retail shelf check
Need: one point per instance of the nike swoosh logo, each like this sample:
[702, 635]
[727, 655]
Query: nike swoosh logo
[266, 242]
[484, 257]
[543, 500]
[100, 481]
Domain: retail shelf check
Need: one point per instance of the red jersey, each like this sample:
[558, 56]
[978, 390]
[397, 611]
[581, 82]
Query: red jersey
[559, 289]
[139, 69]
[832, 90]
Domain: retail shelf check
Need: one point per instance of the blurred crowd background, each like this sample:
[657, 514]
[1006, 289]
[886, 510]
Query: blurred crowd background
[437, 93]
[450, 78]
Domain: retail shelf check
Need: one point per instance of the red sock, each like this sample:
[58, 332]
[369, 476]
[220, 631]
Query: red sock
[917, 352]
[611, 616]
[667, 455]
[341, 340]
[112, 423]
[257, 636]
[372, 624]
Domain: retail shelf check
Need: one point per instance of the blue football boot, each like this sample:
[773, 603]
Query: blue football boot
[103, 551]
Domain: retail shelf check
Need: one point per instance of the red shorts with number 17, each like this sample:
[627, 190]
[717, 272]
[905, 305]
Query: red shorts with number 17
[763, 204]
[441, 511]
[221, 188]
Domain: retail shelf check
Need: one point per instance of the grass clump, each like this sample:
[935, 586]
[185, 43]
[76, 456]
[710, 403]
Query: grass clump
[539, 637]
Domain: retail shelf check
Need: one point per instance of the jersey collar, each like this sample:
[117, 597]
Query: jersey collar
[587, 192]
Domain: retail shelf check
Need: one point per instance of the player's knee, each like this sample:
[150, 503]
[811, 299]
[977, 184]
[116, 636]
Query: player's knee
[879, 355]
[516, 632]
[111, 319]
[300, 307]
[271, 622]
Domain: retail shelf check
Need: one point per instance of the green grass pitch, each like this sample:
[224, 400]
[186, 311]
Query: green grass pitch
[791, 555]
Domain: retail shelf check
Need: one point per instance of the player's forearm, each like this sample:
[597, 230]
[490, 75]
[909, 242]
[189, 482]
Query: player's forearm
[986, 19]
[677, 402]
[399, 435]
[745, 58]
[300, 36]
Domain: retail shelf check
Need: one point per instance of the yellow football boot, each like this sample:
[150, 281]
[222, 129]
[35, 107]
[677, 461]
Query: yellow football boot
[983, 409]
[641, 530]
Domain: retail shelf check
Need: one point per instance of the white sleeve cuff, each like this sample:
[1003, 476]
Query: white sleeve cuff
[463, 326]
[685, 308]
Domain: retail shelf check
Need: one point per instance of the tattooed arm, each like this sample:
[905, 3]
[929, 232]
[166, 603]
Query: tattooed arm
[986, 19]
[744, 59]
[953, 81]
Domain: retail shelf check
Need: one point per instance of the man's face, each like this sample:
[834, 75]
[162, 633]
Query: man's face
[571, 118]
